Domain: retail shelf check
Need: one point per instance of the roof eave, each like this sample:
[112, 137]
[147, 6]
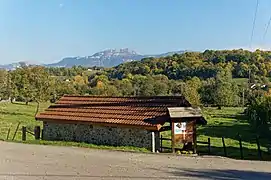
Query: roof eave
[150, 128]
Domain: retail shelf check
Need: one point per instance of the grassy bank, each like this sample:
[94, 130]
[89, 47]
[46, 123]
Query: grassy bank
[226, 123]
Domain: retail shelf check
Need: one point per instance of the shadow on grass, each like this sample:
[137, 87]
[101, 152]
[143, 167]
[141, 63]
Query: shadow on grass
[239, 117]
[227, 174]
[234, 153]
[232, 131]
[229, 132]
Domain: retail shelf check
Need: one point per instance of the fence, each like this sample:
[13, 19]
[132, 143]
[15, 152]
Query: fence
[208, 143]
[36, 133]
[162, 147]
[161, 143]
[225, 153]
[14, 135]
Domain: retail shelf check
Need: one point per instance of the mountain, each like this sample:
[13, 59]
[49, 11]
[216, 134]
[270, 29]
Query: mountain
[106, 58]
[13, 66]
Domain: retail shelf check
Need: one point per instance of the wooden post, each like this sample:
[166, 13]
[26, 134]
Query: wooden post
[195, 138]
[153, 142]
[172, 138]
[224, 146]
[37, 132]
[16, 131]
[241, 147]
[161, 143]
[42, 134]
[209, 146]
[259, 148]
[23, 133]
[8, 133]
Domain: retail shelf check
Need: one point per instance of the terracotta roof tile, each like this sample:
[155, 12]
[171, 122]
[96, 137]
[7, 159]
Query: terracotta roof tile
[144, 112]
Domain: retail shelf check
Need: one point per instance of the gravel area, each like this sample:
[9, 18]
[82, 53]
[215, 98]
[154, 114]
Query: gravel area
[35, 162]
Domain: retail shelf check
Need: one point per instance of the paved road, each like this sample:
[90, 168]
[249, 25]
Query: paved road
[34, 162]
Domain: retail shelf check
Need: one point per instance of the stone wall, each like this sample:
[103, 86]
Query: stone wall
[100, 135]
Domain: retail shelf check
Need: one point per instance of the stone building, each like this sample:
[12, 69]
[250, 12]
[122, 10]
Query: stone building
[116, 121]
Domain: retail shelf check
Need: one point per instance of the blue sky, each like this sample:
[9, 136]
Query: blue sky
[48, 30]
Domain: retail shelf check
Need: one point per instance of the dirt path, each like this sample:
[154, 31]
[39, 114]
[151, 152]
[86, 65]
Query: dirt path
[34, 162]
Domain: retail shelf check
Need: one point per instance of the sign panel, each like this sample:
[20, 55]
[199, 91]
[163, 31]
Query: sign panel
[179, 127]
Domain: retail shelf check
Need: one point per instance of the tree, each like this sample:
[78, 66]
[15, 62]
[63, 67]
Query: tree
[3, 84]
[207, 92]
[40, 85]
[225, 90]
[259, 115]
[191, 91]
[124, 87]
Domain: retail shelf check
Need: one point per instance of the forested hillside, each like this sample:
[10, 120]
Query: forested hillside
[211, 77]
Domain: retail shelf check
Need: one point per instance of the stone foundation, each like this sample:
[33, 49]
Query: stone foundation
[101, 135]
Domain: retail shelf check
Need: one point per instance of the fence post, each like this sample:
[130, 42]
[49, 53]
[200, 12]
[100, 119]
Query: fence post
[241, 147]
[8, 133]
[16, 131]
[42, 134]
[161, 143]
[224, 146]
[37, 132]
[23, 133]
[209, 146]
[259, 148]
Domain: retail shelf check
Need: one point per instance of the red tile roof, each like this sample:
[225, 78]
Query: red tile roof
[144, 112]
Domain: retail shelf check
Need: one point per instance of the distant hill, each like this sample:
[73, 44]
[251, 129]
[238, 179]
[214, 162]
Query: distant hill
[13, 66]
[106, 58]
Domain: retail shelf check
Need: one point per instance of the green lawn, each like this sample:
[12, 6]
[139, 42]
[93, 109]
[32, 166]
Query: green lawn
[226, 123]
[12, 114]
[241, 81]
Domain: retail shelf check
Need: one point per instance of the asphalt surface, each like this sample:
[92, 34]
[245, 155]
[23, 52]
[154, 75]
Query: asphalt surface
[35, 162]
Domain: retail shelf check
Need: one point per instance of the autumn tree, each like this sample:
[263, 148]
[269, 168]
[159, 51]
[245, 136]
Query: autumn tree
[191, 89]
[225, 89]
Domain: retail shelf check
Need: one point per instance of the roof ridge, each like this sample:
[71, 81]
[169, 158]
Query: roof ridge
[124, 97]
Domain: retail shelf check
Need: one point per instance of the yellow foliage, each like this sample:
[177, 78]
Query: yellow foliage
[268, 93]
[79, 80]
[100, 84]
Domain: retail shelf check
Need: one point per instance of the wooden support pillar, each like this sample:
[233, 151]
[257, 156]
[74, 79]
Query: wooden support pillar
[153, 141]
[172, 137]
[23, 133]
[194, 138]
[37, 132]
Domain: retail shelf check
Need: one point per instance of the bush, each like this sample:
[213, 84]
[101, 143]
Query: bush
[259, 115]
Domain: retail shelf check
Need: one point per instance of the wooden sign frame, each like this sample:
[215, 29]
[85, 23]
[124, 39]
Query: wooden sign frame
[181, 138]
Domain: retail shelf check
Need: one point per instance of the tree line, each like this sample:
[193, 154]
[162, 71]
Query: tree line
[207, 78]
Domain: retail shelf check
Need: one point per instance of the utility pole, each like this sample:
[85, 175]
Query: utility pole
[249, 71]
[243, 97]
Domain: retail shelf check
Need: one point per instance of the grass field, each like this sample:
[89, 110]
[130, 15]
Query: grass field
[241, 81]
[226, 123]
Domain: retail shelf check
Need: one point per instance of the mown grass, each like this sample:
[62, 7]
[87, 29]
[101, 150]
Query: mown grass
[12, 114]
[241, 81]
[226, 123]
